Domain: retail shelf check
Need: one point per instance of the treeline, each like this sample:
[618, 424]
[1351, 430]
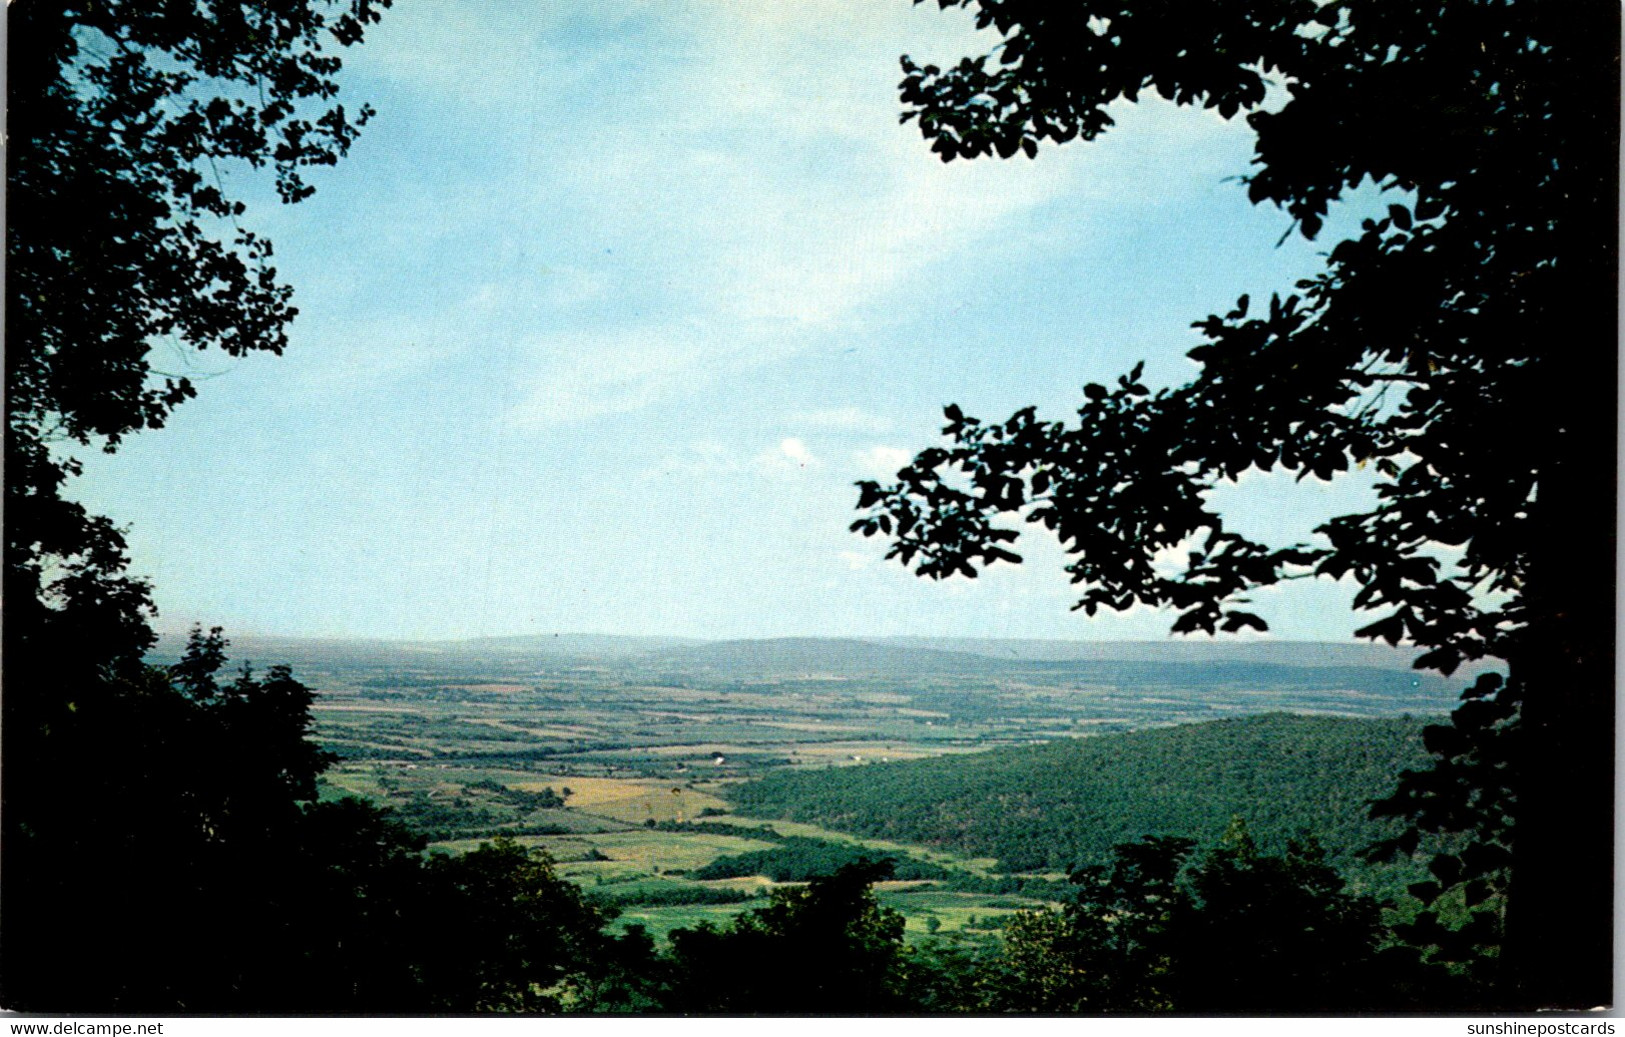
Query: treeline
[804, 857]
[1157, 930]
[1058, 806]
[521, 799]
[668, 894]
[167, 857]
[800, 858]
[1162, 929]
[460, 817]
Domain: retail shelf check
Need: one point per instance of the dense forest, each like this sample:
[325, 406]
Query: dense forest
[799, 859]
[1066, 804]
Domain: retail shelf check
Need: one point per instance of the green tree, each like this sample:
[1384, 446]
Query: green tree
[826, 948]
[163, 850]
[501, 932]
[1038, 969]
[1121, 925]
[943, 975]
[211, 883]
[628, 977]
[121, 237]
[1236, 932]
[175, 801]
[1463, 347]
[1279, 935]
[1112, 950]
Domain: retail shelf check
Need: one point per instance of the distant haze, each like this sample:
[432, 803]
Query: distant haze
[811, 654]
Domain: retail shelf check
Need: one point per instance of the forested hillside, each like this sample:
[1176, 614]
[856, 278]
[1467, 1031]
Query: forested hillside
[1070, 802]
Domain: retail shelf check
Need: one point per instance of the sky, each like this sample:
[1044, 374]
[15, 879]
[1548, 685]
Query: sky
[613, 302]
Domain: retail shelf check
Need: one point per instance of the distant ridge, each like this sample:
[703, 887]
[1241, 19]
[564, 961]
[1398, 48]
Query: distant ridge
[579, 644]
[821, 656]
[826, 656]
[507, 649]
[1281, 653]
[1371, 688]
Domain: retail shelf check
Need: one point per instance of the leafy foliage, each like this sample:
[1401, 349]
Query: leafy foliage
[168, 792]
[1427, 350]
[826, 948]
[500, 932]
[1236, 932]
[800, 858]
[666, 894]
[247, 896]
[1470, 789]
[162, 850]
[121, 238]
[1279, 932]
[375, 927]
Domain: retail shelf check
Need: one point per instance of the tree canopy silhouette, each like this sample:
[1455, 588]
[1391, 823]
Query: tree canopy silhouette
[1462, 346]
[826, 948]
[122, 237]
[138, 799]
[163, 848]
[1233, 932]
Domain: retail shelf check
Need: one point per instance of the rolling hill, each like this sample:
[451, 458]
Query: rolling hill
[1059, 805]
[1129, 663]
[823, 656]
[1185, 650]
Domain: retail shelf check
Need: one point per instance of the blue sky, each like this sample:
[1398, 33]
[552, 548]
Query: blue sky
[613, 302]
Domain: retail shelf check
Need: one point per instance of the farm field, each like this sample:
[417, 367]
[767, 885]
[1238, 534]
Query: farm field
[622, 760]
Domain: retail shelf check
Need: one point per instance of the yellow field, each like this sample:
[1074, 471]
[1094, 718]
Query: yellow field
[868, 752]
[457, 846]
[700, 749]
[561, 731]
[667, 850]
[809, 725]
[976, 865]
[746, 882]
[627, 799]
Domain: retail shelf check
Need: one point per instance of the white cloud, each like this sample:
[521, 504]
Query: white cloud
[882, 462]
[1172, 561]
[789, 458]
[855, 561]
[797, 451]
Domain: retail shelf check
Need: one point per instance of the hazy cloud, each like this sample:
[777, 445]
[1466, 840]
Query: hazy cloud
[882, 462]
[852, 418]
[790, 456]
[855, 561]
